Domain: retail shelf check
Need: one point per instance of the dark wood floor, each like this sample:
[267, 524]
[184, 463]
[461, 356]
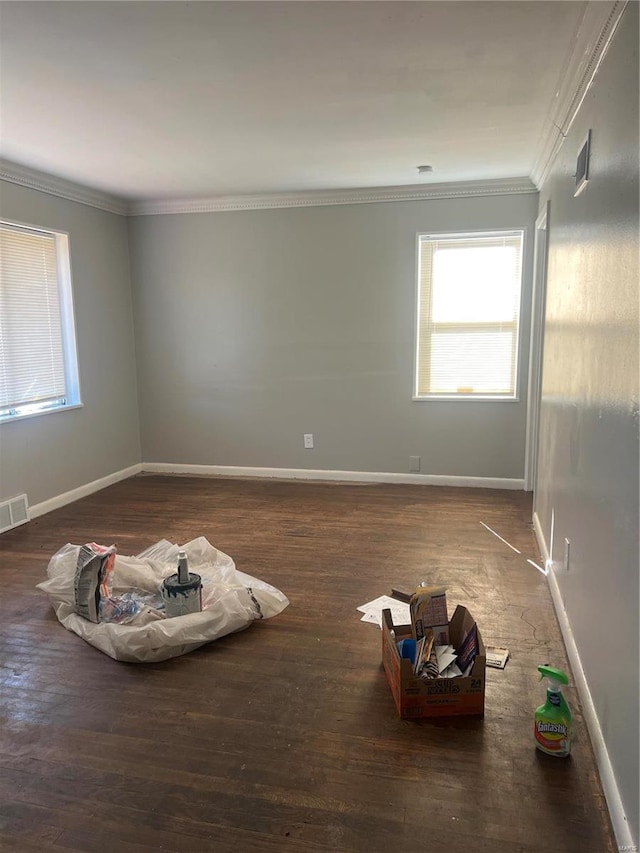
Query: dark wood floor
[288, 738]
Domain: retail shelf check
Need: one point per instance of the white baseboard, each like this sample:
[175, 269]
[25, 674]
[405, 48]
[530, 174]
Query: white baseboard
[607, 777]
[344, 476]
[542, 544]
[275, 473]
[82, 491]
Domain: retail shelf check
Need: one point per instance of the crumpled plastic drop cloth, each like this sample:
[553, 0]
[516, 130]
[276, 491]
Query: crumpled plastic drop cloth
[231, 600]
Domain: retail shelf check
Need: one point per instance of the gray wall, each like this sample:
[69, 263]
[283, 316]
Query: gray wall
[254, 327]
[588, 459]
[50, 454]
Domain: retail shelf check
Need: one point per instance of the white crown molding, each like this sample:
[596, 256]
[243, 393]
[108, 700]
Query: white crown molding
[24, 176]
[316, 198]
[36, 180]
[592, 39]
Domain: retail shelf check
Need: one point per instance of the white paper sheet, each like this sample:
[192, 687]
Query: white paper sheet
[372, 610]
[445, 655]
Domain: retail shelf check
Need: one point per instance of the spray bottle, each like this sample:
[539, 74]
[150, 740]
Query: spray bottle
[552, 721]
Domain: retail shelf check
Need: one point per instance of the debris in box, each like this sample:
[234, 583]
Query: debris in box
[428, 609]
[434, 666]
[468, 647]
[438, 680]
[116, 603]
[442, 661]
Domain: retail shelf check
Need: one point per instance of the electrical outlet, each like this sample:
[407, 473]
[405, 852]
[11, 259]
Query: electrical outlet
[567, 554]
[414, 464]
[308, 441]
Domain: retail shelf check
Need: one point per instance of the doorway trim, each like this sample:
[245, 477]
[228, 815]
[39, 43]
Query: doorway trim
[536, 348]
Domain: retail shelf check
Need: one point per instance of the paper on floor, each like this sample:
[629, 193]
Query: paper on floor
[372, 610]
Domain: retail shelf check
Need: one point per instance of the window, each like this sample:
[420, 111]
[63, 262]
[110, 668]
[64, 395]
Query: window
[38, 361]
[468, 315]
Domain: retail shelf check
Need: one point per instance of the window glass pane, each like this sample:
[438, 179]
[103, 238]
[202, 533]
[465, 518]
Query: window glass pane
[38, 363]
[471, 363]
[475, 284]
[468, 314]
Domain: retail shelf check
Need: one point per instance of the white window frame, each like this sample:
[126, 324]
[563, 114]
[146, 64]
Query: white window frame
[465, 397]
[72, 398]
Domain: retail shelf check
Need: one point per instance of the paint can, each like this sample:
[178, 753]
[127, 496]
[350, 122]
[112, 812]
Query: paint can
[184, 597]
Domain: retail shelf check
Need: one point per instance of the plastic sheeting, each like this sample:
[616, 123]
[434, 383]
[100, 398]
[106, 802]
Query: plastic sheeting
[231, 600]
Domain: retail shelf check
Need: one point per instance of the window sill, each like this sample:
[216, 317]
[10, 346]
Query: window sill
[9, 419]
[465, 398]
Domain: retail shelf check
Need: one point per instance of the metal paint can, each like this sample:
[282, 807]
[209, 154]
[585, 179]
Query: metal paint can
[182, 598]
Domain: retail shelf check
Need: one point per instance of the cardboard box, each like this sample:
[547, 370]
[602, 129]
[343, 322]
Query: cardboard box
[438, 697]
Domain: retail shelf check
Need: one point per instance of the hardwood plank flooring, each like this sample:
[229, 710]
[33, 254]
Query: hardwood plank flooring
[288, 736]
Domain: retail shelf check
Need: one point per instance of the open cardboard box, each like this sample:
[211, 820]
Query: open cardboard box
[437, 697]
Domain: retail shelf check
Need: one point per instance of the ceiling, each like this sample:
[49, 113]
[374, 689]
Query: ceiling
[162, 100]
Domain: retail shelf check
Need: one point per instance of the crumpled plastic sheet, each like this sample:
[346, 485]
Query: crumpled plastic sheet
[231, 600]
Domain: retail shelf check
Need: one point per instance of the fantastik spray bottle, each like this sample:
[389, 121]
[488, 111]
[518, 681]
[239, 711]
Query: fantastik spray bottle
[552, 722]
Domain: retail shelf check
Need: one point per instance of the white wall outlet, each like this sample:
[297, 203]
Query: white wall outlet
[567, 554]
[414, 464]
[308, 441]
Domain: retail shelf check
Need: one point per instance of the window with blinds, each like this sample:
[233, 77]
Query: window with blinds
[38, 363]
[469, 288]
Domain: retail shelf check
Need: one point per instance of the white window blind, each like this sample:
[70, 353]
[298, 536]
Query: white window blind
[37, 363]
[468, 315]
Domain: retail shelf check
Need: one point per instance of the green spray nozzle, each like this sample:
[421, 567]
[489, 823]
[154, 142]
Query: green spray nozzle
[556, 676]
